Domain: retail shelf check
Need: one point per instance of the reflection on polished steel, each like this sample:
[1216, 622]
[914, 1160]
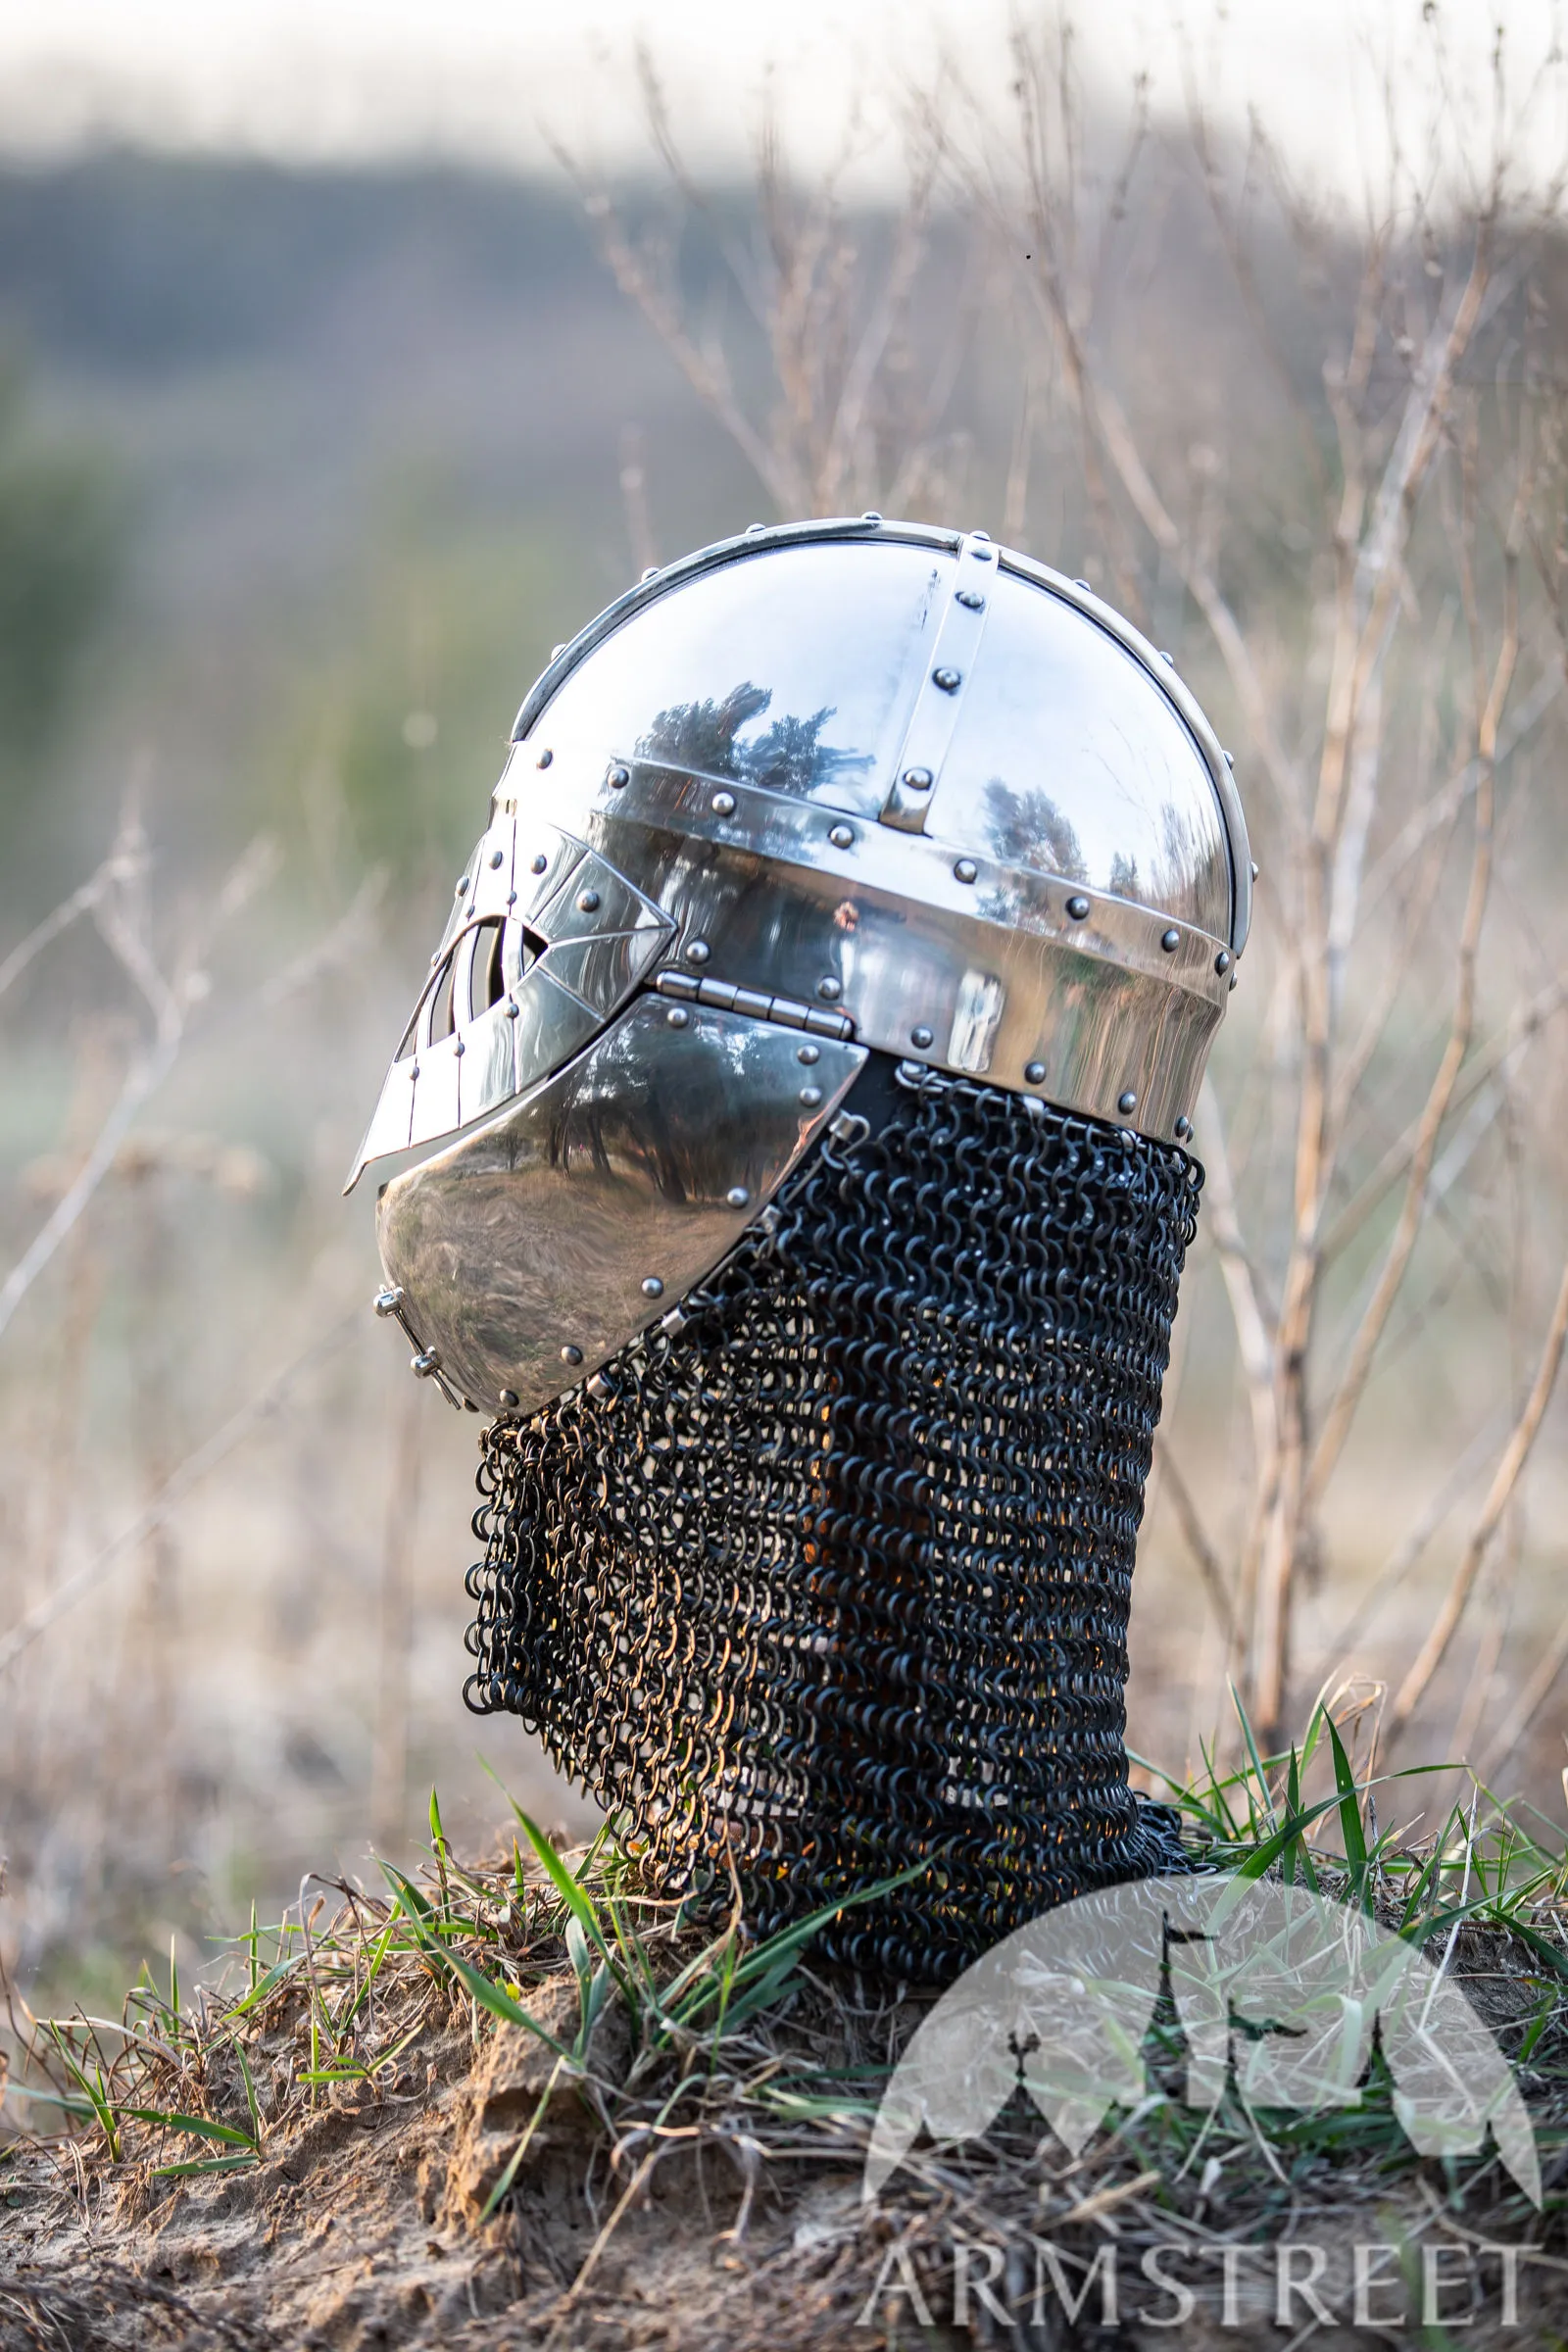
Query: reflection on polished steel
[795, 659]
[545, 1238]
[873, 781]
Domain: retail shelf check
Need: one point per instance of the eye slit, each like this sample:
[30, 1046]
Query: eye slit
[442, 1023]
[488, 985]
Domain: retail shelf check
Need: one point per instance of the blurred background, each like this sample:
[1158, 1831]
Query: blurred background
[349, 360]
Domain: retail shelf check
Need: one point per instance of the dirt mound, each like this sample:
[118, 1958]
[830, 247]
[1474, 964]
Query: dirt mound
[518, 2107]
[367, 2227]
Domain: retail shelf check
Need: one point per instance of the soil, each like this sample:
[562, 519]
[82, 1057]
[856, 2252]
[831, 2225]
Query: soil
[364, 2227]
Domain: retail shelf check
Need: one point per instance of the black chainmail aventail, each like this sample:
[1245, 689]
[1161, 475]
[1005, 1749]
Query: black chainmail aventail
[833, 1576]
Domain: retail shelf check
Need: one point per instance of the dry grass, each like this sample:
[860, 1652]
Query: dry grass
[526, 2102]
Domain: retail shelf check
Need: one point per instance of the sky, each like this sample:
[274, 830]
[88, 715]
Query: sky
[504, 80]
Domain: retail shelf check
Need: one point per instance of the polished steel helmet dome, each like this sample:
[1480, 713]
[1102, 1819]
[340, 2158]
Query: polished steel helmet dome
[830, 788]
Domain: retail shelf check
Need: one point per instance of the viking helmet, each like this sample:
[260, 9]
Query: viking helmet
[818, 795]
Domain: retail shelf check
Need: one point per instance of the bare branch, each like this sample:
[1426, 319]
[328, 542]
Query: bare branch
[1515, 1455]
[1241, 1284]
[1492, 694]
[172, 999]
[1532, 1698]
[124, 861]
[1198, 1542]
[173, 1490]
[1501, 1055]
[347, 938]
[1408, 1552]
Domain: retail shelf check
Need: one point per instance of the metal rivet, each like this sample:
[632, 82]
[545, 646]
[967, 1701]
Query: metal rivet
[652, 1287]
[949, 680]
[810, 1097]
[508, 1397]
[511, 898]
[570, 1354]
[723, 804]
[421, 1366]
[545, 758]
[1171, 941]
[870, 515]
[1165, 657]
[677, 1016]
[459, 1048]
[1233, 979]
[697, 950]
[1034, 1071]
[1084, 585]
[587, 901]
[966, 870]
[971, 600]
[829, 990]
[1078, 909]
[413, 1069]
[808, 1054]
[752, 530]
[462, 884]
[512, 1008]
[1257, 869]
[918, 779]
[920, 1036]
[555, 651]
[842, 838]
[1183, 1128]
[1222, 962]
[618, 776]
[738, 1197]
[985, 535]
[496, 856]
[652, 573]
[1127, 1101]
[1229, 758]
[540, 862]
[434, 960]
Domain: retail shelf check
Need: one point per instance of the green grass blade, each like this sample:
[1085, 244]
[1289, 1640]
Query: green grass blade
[1351, 1829]
[205, 2164]
[1245, 1721]
[267, 1983]
[198, 2125]
[1264, 1855]
[493, 1997]
[250, 2093]
[566, 1887]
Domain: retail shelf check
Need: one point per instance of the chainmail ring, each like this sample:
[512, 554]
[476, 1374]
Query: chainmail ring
[828, 1575]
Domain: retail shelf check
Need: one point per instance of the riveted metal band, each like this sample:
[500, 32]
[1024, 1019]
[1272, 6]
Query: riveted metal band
[935, 716]
[1034, 984]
